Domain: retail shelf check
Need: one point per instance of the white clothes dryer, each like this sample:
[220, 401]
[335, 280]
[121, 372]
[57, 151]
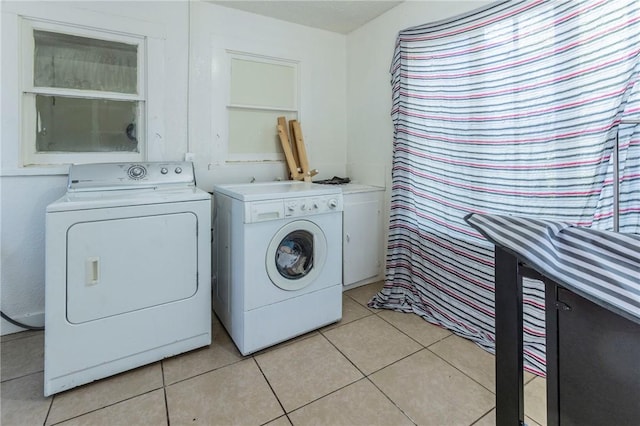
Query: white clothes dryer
[277, 269]
[127, 270]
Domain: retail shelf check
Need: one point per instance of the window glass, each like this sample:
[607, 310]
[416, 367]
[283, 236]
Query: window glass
[73, 62]
[266, 84]
[254, 131]
[84, 96]
[261, 90]
[66, 124]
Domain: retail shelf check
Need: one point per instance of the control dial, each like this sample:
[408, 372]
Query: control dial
[137, 171]
[333, 203]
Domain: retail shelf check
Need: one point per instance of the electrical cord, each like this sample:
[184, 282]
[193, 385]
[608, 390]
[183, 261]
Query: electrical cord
[19, 324]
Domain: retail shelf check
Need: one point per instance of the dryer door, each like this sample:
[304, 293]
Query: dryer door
[296, 255]
[120, 265]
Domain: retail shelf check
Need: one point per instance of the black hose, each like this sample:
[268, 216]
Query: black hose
[19, 324]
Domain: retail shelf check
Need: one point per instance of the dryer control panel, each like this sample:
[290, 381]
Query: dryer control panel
[261, 211]
[118, 176]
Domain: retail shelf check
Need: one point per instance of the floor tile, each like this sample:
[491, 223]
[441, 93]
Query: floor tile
[415, 326]
[287, 342]
[20, 335]
[316, 377]
[528, 377]
[22, 356]
[147, 409]
[351, 311]
[371, 343]
[535, 400]
[280, 421]
[307, 370]
[431, 392]
[530, 422]
[236, 394]
[360, 403]
[469, 358]
[105, 392]
[220, 353]
[490, 420]
[363, 294]
[23, 402]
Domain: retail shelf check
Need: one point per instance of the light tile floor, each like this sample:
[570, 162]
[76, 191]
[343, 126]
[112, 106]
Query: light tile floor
[375, 367]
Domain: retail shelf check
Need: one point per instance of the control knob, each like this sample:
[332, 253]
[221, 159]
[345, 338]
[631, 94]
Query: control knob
[136, 171]
[164, 170]
[178, 170]
[333, 203]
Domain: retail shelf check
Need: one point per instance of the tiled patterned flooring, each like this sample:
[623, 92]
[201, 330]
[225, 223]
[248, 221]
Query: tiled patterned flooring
[375, 367]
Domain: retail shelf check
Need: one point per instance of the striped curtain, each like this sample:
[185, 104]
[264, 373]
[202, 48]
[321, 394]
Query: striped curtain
[513, 109]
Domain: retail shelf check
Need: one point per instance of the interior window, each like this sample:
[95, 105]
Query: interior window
[83, 95]
[261, 90]
[73, 62]
[66, 124]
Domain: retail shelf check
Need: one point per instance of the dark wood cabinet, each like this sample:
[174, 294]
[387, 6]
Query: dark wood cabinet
[593, 355]
[593, 363]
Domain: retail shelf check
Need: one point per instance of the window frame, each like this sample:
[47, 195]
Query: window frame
[28, 92]
[294, 111]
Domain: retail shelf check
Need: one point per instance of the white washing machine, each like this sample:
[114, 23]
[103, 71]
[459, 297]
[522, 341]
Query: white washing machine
[277, 261]
[127, 270]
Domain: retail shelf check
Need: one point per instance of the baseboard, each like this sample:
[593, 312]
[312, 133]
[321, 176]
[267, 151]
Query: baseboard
[34, 319]
[366, 281]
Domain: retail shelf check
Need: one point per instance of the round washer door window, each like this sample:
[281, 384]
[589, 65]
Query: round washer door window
[296, 255]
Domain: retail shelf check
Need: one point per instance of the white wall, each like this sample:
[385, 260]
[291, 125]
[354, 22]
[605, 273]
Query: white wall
[24, 200]
[194, 115]
[322, 61]
[25, 192]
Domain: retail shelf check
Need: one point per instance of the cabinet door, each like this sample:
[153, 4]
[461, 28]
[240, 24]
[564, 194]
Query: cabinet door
[598, 365]
[362, 238]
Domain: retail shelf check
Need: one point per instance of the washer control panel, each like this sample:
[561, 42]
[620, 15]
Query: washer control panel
[261, 211]
[312, 205]
[114, 176]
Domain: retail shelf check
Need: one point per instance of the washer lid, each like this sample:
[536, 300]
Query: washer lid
[132, 197]
[275, 190]
[352, 188]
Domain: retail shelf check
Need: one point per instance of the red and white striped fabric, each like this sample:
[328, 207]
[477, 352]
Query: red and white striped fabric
[512, 109]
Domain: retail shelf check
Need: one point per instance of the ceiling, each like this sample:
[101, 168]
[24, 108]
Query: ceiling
[336, 16]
